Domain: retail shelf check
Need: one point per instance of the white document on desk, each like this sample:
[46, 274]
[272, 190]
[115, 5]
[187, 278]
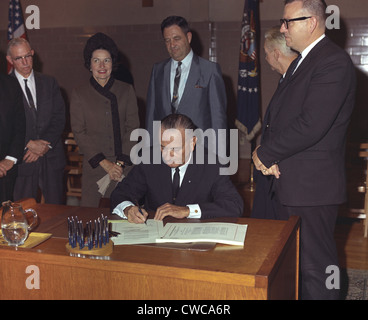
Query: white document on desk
[219, 232]
[131, 233]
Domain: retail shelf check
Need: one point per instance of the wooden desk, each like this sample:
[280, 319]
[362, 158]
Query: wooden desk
[265, 268]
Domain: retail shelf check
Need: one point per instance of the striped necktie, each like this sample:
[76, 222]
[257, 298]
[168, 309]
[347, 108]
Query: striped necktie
[175, 98]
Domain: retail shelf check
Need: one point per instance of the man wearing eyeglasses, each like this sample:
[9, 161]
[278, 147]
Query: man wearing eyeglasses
[43, 160]
[303, 146]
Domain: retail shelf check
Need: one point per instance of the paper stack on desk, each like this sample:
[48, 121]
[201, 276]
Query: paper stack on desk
[220, 232]
[131, 233]
[155, 232]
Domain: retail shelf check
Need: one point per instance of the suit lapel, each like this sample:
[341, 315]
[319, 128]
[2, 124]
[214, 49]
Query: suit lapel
[164, 179]
[192, 178]
[189, 181]
[303, 67]
[39, 91]
[288, 78]
[272, 106]
[166, 87]
[25, 102]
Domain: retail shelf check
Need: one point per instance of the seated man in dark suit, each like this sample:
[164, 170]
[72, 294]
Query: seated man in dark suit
[202, 191]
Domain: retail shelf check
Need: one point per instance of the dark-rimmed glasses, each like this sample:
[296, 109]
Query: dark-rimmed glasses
[286, 21]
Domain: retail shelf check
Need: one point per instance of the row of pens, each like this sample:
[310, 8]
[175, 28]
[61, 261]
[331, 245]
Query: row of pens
[93, 235]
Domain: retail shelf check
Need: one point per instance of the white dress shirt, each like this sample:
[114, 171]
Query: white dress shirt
[305, 52]
[185, 67]
[31, 84]
[32, 87]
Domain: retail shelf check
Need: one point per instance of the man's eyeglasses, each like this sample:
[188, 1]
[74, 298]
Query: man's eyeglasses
[286, 21]
[26, 57]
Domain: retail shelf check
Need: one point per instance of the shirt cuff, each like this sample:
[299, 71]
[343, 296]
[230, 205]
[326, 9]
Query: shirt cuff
[194, 211]
[95, 161]
[12, 159]
[119, 209]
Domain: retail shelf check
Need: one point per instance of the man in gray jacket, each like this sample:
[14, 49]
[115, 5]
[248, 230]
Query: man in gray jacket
[185, 83]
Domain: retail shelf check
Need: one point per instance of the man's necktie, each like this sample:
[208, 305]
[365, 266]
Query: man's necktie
[30, 100]
[295, 64]
[175, 98]
[176, 183]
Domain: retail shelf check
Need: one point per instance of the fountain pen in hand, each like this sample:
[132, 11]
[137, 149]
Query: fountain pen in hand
[140, 210]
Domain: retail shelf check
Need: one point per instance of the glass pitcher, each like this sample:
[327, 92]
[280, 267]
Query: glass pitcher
[14, 223]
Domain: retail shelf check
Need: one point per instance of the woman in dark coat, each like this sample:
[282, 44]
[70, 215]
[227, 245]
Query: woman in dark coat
[103, 113]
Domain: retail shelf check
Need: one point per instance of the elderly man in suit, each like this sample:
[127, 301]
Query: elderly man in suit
[279, 56]
[182, 186]
[12, 133]
[44, 159]
[303, 145]
[186, 83]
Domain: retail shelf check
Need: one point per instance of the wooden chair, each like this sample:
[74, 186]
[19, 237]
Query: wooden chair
[364, 189]
[73, 167]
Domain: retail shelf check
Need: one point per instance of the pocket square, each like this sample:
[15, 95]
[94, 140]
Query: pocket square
[197, 85]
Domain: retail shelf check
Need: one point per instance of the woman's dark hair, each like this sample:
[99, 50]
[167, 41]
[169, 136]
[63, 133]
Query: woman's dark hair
[175, 20]
[100, 41]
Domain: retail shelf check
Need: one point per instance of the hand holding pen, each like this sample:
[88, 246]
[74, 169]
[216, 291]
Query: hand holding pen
[136, 214]
[140, 211]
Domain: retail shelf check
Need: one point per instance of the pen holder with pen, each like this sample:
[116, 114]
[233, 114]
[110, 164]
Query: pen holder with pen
[91, 239]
